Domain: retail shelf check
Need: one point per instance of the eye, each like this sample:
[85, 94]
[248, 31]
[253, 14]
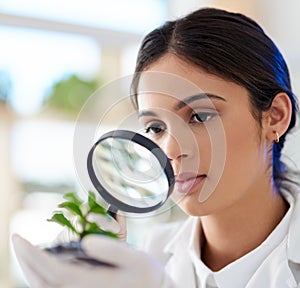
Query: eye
[202, 117]
[154, 128]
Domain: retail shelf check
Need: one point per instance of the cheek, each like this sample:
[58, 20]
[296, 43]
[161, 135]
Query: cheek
[212, 147]
[231, 153]
[227, 147]
[204, 150]
[242, 142]
[243, 155]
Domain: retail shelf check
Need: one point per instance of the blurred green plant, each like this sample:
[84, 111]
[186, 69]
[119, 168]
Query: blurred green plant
[70, 93]
[73, 206]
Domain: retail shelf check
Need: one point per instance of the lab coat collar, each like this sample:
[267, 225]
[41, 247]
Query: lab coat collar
[181, 241]
[288, 189]
[180, 265]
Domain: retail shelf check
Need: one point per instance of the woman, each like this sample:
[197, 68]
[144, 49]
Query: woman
[243, 229]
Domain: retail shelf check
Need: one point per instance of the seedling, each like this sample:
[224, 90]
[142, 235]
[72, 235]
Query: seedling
[74, 207]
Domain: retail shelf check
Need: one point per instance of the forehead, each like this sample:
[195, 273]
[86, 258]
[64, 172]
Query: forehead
[171, 79]
[171, 76]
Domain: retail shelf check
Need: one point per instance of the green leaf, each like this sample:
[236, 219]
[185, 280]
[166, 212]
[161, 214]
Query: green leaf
[104, 233]
[90, 228]
[72, 197]
[62, 220]
[109, 234]
[93, 228]
[81, 209]
[72, 207]
[98, 210]
[94, 206]
[91, 199]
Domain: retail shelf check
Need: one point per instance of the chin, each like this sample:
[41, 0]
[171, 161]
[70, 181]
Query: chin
[193, 207]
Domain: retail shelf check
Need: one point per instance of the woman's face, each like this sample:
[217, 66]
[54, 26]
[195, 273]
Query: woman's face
[215, 146]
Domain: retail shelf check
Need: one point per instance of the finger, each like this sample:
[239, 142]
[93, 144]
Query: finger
[123, 227]
[109, 250]
[105, 223]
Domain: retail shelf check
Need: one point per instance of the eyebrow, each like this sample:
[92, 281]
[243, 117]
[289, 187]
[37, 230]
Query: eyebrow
[199, 96]
[184, 103]
[146, 113]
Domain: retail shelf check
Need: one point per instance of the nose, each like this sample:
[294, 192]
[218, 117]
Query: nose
[174, 149]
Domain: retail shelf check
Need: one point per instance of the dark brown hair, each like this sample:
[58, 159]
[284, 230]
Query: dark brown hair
[229, 45]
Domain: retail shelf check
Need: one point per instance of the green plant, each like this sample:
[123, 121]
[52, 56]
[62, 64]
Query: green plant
[73, 206]
[70, 93]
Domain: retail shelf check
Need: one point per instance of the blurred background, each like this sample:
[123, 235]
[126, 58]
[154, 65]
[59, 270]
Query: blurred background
[56, 53]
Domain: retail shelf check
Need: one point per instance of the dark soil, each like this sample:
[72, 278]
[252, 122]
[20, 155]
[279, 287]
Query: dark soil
[73, 253]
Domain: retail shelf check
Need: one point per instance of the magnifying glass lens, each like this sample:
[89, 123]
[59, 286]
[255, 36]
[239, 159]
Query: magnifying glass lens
[130, 171]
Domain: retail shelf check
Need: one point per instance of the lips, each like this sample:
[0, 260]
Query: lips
[186, 182]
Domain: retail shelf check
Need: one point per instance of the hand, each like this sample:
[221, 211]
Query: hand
[134, 268]
[117, 225]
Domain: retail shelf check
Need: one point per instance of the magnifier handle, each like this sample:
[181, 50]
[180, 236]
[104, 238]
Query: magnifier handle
[112, 211]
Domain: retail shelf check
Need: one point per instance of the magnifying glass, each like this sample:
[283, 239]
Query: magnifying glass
[130, 172]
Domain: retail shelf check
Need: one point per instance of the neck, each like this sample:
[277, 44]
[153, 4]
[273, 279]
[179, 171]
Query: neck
[237, 230]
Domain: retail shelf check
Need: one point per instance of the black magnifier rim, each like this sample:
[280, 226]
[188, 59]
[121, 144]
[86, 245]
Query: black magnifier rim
[148, 144]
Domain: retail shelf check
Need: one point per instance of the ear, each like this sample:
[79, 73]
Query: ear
[278, 117]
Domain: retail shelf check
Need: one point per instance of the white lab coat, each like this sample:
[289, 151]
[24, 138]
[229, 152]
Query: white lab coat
[281, 269]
